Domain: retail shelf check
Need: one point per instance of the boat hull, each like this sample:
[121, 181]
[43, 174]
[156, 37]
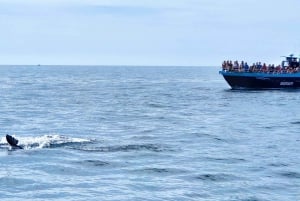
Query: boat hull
[249, 80]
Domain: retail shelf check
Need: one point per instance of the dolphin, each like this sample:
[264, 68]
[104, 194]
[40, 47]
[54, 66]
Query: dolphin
[13, 142]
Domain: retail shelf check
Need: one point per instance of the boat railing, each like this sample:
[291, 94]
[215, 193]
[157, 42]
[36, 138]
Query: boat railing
[243, 67]
[265, 72]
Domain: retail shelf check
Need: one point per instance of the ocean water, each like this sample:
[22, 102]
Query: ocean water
[145, 133]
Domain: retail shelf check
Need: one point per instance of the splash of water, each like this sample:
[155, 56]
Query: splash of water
[45, 141]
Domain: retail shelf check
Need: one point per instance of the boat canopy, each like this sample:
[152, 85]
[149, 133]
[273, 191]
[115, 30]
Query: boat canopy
[291, 61]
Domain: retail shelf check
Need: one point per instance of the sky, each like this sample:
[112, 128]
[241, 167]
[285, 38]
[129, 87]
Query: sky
[147, 32]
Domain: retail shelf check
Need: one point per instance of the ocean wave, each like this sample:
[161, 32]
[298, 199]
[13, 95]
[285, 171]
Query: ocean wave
[290, 174]
[122, 148]
[94, 163]
[221, 177]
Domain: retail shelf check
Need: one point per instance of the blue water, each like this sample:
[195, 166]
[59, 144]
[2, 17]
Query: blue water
[145, 133]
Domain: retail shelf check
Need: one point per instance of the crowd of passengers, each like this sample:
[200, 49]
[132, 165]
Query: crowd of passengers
[259, 67]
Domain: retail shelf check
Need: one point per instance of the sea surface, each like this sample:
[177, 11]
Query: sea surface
[116, 133]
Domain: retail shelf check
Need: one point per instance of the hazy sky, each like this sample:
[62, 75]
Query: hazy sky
[147, 32]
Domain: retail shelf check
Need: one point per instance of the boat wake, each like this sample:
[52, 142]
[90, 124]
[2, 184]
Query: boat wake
[45, 141]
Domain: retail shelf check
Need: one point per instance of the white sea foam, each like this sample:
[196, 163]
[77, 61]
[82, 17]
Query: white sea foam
[43, 141]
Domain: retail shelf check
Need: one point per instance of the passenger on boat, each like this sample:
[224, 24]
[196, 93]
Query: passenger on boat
[227, 65]
[252, 68]
[224, 65]
[242, 66]
[271, 68]
[236, 66]
[246, 67]
[264, 68]
[231, 63]
[278, 69]
[289, 69]
[258, 66]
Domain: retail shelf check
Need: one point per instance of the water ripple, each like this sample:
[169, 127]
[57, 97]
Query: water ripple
[123, 148]
[221, 177]
[290, 174]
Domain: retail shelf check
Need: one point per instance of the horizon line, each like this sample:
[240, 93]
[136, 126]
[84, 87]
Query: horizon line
[106, 65]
